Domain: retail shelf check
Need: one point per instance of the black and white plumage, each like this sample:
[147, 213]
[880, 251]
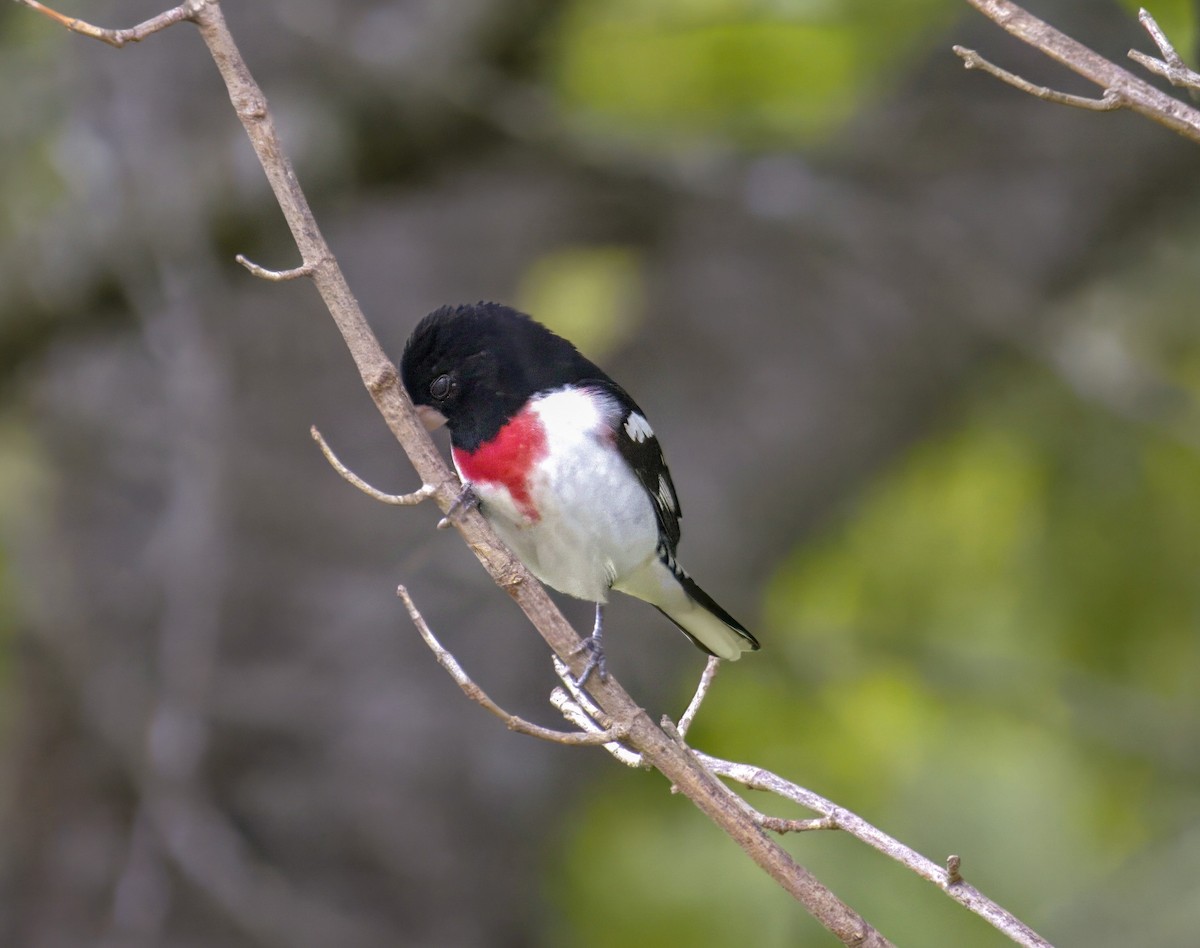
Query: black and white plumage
[564, 465]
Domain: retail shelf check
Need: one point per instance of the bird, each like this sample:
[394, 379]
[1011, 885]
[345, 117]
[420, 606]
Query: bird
[563, 464]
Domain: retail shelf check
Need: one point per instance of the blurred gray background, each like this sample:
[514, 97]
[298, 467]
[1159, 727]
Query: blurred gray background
[219, 728]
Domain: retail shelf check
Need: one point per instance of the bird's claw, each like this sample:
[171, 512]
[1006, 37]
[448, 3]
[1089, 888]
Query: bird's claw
[595, 663]
[466, 499]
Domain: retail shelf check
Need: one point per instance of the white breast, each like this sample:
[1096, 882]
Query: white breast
[596, 523]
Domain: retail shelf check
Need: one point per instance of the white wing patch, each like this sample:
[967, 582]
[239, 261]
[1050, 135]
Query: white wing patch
[638, 428]
[666, 496]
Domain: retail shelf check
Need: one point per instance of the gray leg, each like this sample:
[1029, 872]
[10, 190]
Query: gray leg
[594, 646]
[465, 500]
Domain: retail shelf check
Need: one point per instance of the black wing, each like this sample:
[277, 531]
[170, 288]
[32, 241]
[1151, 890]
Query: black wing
[636, 441]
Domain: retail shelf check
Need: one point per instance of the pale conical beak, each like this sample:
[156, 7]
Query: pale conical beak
[431, 418]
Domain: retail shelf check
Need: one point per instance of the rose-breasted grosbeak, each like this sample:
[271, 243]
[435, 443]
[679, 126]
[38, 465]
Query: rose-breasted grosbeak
[563, 465]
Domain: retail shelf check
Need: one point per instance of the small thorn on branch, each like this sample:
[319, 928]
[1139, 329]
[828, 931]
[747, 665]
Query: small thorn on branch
[118, 38]
[423, 492]
[275, 276]
[1110, 101]
[953, 870]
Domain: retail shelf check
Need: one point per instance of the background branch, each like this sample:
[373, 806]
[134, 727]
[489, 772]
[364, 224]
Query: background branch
[1171, 67]
[1119, 85]
[1106, 103]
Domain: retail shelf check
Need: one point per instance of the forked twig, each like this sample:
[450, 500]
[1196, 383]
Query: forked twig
[578, 707]
[832, 816]
[1122, 89]
[1171, 67]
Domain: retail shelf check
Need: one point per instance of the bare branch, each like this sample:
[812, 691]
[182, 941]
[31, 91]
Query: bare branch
[466, 498]
[480, 697]
[577, 706]
[575, 713]
[424, 492]
[948, 880]
[1171, 67]
[118, 38]
[581, 698]
[706, 680]
[1108, 102]
[275, 276]
[1119, 85]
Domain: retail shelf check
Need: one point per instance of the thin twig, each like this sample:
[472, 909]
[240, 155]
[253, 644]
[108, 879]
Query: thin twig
[578, 707]
[578, 694]
[1171, 67]
[948, 880]
[118, 38]
[777, 824]
[480, 697]
[1130, 91]
[573, 712]
[424, 492]
[1107, 103]
[706, 680]
[275, 276]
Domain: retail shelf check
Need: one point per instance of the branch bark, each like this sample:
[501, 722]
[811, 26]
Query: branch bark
[661, 749]
[949, 880]
[1122, 89]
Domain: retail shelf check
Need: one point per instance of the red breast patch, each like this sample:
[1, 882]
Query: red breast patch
[508, 459]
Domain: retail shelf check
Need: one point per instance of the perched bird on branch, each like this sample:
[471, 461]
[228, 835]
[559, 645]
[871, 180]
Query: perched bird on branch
[563, 464]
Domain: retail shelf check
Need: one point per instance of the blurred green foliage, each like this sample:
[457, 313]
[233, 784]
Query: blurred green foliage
[590, 295]
[940, 659]
[1177, 19]
[754, 73]
[31, 184]
[996, 650]
[744, 72]
[22, 469]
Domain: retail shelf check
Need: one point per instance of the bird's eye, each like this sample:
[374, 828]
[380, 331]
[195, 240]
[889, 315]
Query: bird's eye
[440, 387]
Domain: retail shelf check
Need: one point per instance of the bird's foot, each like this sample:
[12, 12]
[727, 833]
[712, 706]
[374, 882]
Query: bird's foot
[594, 646]
[595, 663]
[466, 499]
